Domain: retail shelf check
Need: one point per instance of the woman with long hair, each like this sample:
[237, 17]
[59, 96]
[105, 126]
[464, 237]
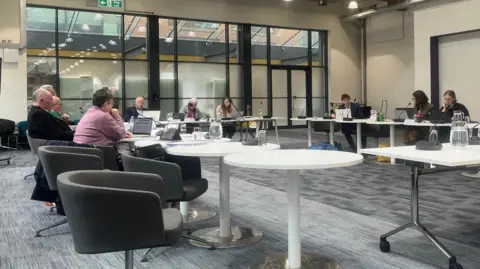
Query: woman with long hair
[225, 111]
[422, 109]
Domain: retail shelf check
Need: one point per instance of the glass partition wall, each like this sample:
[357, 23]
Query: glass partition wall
[168, 61]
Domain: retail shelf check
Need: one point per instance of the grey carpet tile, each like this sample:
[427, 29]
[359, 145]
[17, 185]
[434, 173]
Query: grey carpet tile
[344, 213]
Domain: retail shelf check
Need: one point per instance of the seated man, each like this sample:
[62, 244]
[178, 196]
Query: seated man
[52, 91]
[134, 111]
[101, 125]
[349, 129]
[191, 110]
[42, 124]
[57, 111]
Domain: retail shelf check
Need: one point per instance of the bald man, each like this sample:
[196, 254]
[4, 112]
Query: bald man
[191, 110]
[134, 111]
[57, 110]
[42, 124]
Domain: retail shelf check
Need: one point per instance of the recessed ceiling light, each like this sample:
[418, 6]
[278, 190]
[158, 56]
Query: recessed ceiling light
[353, 5]
[69, 40]
[63, 45]
[191, 34]
[76, 63]
[169, 39]
[85, 27]
[113, 43]
[98, 17]
[81, 61]
[68, 69]
[114, 63]
[72, 66]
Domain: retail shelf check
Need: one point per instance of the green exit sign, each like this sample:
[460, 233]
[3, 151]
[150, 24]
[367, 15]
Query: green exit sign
[110, 3]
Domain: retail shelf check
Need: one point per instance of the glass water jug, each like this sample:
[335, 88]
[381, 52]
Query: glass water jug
[459, 130]
[215, 131]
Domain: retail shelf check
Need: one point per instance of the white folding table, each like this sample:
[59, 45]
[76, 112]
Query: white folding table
[449, 157]
[293, 161]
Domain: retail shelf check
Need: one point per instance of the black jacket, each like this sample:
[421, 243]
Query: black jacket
[43, 125]
[457, 106]
[130, 112]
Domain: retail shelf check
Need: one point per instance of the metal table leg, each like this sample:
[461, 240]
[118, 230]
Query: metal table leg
[359, 138]
[415, 222]
[309, 131]
[276, 131]
[226, 236]
[392, 140]
[332, 133]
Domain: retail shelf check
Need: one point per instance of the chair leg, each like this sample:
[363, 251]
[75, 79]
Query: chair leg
[129, 259]
[212, 246]
[144, 256]
[50, 227]
[26, 177]
[52, 209]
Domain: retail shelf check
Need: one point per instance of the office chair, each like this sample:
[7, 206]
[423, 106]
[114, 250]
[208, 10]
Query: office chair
[177, 188]
[136, 217]
[7, 128]
[59, 159]
[34, 144]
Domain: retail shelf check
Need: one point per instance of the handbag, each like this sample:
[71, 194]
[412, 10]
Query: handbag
[154, 152]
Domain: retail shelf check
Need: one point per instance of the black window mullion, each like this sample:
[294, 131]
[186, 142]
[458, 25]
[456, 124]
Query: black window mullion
[227, 60]
[245, 56]
[324, 47]
[269, 75]
[309, 82]
[153, 56]
[175, 63]
[122, 57]
[57, 63]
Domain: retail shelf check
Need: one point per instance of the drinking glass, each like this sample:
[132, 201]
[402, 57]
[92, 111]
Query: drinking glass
[459, 132]
[262, 138]
[215, 131]
[197, 133]
[169, 116]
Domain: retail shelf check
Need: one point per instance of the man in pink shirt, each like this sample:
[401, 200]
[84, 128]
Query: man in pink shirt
[101, 125]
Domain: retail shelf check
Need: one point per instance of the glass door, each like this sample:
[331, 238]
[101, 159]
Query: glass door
[289, 98]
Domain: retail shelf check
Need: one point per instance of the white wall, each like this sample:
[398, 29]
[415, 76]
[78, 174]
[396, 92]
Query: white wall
[459, 62]
[13, 95]
[343, 38]
[390, 60]
[393, 65]
[452, 18]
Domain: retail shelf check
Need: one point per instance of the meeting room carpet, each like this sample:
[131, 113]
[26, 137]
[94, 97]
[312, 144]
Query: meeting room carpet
[344, 211]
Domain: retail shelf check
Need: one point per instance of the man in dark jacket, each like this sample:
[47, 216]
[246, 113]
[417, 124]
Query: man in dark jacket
[134, 111]
[349, 129]
[42, 124]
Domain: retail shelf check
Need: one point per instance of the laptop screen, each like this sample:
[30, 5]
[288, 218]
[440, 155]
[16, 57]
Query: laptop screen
[142, 126]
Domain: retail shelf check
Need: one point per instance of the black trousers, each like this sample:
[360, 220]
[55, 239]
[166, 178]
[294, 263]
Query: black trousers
[228, 131]
[351, 142]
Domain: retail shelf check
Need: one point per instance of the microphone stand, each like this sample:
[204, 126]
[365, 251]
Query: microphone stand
[267, 116]
[432, 144]
[399, 119]
[349, 112]
[244, 120]
[301, 115]
[474, 140]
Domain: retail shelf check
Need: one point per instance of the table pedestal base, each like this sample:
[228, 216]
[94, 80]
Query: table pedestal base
[476, 175]
[309, 261]
[195, 215]
[241, 236]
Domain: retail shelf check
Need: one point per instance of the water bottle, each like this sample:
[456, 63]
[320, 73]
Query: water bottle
[131, 123]
[215, 131]
[459, 130]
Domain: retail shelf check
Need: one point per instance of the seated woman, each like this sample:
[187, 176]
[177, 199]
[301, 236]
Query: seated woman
[450, 105]
[101, 125]
[350, 129]
[225, 111]
[422, 109]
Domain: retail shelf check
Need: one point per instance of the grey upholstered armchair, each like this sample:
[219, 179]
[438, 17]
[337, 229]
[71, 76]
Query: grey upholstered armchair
[176, 188]
[60, 159]
[125, 211]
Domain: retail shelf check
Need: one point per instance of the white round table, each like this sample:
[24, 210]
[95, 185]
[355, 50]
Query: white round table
[224, 236]
[293, 161]
[183, 142]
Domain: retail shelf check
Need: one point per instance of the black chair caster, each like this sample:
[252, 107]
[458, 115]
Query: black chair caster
[454, 265]
[385, 245]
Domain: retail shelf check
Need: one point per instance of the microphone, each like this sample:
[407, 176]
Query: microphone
[301, 115]
[241, 115]
[265, 117]
[399, 119]
[432, 144]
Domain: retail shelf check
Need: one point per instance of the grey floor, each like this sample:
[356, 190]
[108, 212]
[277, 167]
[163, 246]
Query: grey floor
[344, 211]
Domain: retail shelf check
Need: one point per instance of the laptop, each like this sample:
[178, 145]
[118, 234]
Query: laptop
[179, 116]
[142, 126]
[154, 114]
